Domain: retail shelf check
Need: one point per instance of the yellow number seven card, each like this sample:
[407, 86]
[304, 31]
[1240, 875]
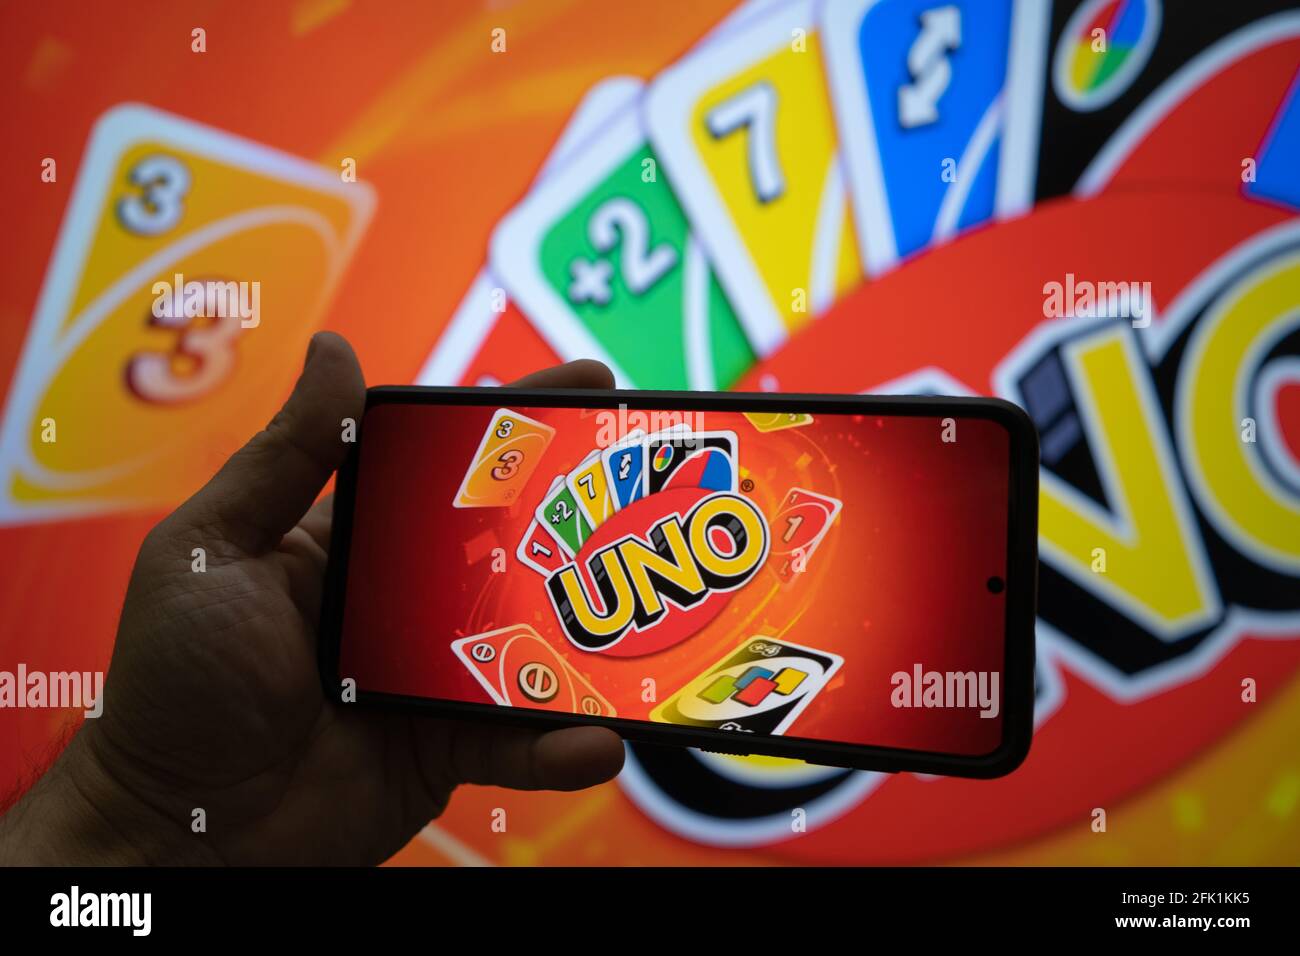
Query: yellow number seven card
[745, 131]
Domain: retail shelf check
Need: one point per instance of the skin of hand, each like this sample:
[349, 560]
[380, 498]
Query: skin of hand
[213, 700]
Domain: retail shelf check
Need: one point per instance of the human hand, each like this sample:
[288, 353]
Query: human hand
[213, 700]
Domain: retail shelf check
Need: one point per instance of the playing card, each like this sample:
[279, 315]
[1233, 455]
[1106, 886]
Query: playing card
[190, 262]
[624, 463]
[1082, 68]
[559, 514]
[680, 457]
[917, 89]
[798, 528]
[761, 687]
[488, 341]
[744, 129]
[590, 489]
[538, 548]
[518, 668]
[602, 259]
[776, 421]
[507, 455]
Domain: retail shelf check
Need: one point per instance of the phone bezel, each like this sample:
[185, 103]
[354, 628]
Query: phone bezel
[1021, 579]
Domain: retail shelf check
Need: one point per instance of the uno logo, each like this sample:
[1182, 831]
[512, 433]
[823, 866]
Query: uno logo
[672, 578]
[1103, 48]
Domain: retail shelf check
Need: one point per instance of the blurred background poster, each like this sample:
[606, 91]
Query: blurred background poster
[1089, 208]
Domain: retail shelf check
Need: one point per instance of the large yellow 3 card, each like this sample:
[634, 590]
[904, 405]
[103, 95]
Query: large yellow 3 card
[190, 270]
[745, 130]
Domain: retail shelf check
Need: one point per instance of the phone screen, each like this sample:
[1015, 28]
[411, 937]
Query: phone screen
[835, 577]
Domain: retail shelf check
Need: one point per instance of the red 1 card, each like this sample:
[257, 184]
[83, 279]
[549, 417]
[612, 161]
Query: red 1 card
[518, 668]
[799, 527]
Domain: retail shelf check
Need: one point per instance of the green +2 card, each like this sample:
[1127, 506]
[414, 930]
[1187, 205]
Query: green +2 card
[602, 259]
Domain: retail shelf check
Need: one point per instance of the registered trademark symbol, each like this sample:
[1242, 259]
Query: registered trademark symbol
[747, 485]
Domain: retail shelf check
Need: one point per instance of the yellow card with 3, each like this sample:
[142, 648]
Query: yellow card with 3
[746, 133]
[508, 454]
[190, 267]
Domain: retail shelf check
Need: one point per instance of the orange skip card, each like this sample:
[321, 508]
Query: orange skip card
[190, 263]
[511, 448]
[518, 668]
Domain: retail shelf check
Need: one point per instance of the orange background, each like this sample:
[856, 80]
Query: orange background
[450, 135]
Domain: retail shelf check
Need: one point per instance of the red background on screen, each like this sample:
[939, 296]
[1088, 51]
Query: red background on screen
[900, 579]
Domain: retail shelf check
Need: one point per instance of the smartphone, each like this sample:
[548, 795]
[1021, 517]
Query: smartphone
[845, 580]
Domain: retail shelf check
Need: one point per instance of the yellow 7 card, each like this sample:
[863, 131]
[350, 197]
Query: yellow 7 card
[590, 489]
[190, 270]
[745, 131]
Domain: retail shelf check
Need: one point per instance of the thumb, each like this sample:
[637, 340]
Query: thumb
[268, 485]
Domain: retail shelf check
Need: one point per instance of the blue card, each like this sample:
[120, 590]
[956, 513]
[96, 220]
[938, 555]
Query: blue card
[625, 469]
[917, 87]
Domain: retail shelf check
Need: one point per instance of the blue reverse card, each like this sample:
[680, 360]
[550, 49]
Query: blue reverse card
[625, 469]
[917, 88]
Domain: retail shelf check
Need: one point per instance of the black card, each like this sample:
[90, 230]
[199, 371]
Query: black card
[1082, 67]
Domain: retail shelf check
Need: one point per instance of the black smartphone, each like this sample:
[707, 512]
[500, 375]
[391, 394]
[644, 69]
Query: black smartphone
[846, 580]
